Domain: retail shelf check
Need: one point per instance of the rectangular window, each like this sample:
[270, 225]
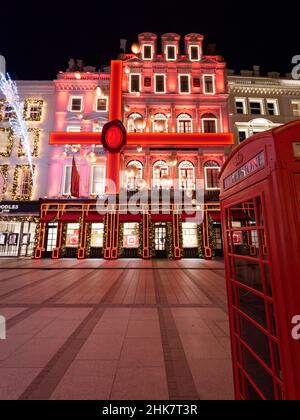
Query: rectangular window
[194, 52]
[256, 107]
[242, 135]
[296, 108]
[160, 85]
[75, 104]
[72, 238]
[8, 112]
[184, 83]
[184, 126]
[240, 106]
[35, 113]
[272, 107]
[190, 235]
[97, 235]
[131, 235]
[209, 125]
[102, 104]
[97, 179]
[66, 190]
[209, 84]
[135, 83]
[25, 185]
[4, 133]
[147, 52]
[211, 178]
[171, 52]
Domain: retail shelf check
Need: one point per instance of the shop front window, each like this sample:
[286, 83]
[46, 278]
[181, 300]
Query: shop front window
[52, 237]
[190, 235]
[72, 238]
[131, 235]
[97, 235]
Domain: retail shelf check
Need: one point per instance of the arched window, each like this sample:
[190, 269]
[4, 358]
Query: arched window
[130, 122]
[132, 180]
[160, 169]
[211, 172]
[160, 119]
[186, 175]
[209, 123]
[184, 123]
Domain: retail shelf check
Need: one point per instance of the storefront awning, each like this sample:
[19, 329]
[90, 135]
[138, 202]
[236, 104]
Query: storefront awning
[127, 218]
[94, 218]
[70, 217]
[161, 217]
[48, 217]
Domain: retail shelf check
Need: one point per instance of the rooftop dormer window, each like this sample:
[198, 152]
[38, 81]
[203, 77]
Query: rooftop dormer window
[194, 52]
[147, 52]
[171, 52]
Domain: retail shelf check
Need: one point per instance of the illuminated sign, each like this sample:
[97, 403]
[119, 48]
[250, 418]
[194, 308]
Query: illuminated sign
[296, 147]
[249, 168]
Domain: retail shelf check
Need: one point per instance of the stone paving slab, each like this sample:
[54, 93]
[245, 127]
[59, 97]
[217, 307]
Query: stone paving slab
[125, 329]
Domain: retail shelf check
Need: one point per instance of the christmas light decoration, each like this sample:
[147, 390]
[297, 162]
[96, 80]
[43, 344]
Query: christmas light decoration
[17, 121]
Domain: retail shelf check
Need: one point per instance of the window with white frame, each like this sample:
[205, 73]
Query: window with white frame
[194, 52]
[240, 106]
[256, 106]
[160, 170]
[97, 185]
[272, 107]
[102, 104]
[211, 172]
[147, 52]
[130, 122]
[242, 134]
[133, 180]
[160, 83]
[8, 112]
[73, 129]
[67, 176]
[186, 175]
[296, 108]
[75, 104]
[171, 52]
[184, 83]
[34, 112]
[184, 123]
[134, 83]
[160, 123]
[209, 123]
[209, 84]
[189, 235]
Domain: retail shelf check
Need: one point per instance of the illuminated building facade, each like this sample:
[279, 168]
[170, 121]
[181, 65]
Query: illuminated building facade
[174, 106]
[19, 205]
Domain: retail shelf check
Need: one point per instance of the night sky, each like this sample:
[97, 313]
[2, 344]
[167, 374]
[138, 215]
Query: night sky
[38, 38]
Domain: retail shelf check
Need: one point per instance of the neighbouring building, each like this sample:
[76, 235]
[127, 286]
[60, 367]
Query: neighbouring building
[19, 196]
[166, 94]
[258, 103]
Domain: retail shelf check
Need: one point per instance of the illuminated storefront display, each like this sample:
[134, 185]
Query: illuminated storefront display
[97, 235]
[72, 237]
[131, 235]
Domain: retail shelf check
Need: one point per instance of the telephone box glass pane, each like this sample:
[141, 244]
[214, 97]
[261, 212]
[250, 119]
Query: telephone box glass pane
[243, 213]
[248, 273]
[251, 393]
[259, 375]
[245, 243]
[253, 306]
[256, 339]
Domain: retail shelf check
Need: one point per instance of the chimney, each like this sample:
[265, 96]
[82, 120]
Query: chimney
[2, 64]
[256, 71]
[123, 43]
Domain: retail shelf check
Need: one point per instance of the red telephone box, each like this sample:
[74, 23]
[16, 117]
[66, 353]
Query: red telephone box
[260, 210]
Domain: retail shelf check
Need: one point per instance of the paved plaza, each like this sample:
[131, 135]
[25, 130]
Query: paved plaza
[126, 329]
